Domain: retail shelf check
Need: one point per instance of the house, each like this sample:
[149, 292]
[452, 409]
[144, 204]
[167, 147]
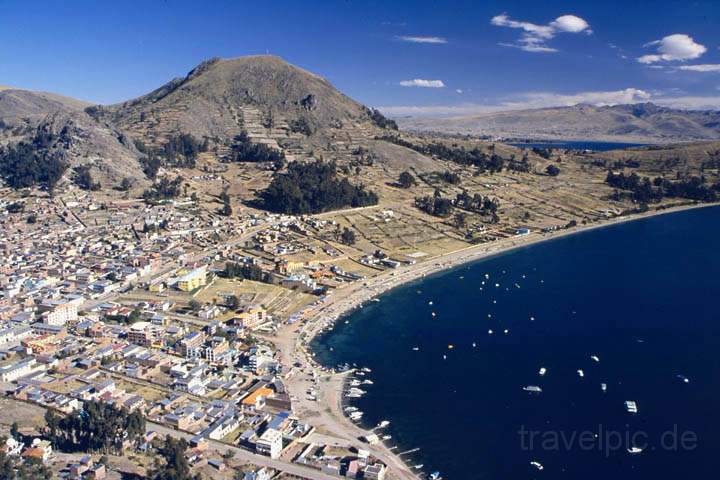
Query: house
[262, 474]
[252, 317]
[10, 373]
[270, 443]
[12, 447]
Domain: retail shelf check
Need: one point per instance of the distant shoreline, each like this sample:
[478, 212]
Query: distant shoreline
[342, 303]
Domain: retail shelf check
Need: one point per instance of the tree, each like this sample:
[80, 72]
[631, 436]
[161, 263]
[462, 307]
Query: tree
[194, 305]
[313, 188]
[552, 170]
[460, 220]
[406, 180]
[99, 427]
[172, 464]
[126, 184]
[232, 302]
[15, 430]
[347, 236]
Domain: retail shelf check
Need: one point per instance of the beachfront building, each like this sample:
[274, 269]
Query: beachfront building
[269, 443]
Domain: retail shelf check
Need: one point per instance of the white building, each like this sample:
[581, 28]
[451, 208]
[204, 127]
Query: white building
[270, 443]
[58, 312]
[10, 373]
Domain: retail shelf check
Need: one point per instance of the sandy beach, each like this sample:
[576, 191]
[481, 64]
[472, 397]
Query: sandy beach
[326, 413]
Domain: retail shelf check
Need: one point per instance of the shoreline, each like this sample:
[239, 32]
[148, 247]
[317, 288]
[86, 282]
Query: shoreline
[294, 340]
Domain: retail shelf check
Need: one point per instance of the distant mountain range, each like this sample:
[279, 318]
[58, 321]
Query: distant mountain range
[644, 123]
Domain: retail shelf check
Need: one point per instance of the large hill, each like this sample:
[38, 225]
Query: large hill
[644, 123]
[263, 95]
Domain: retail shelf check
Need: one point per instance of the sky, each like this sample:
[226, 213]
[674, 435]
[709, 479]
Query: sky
[404, 57]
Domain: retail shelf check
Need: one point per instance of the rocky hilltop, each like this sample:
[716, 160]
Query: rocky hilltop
[57, 127]
[643, 123]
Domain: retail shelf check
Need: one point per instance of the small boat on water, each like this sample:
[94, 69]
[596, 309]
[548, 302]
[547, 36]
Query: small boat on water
[419, 466]
[537, 465]
[581, 374]
[387, 437]
[594, 358]
[384, 424]
[631, 406]
[415, 349]
[603, 387]
[376, 300]
[532, 389]
[542, 371]
[490, 332]
[435, 476]
[634, 450]
[683, 378]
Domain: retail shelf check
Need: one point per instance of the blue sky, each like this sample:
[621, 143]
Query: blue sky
[406, 57]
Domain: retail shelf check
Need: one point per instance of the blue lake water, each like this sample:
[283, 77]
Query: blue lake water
[577, 145]
[642, 296]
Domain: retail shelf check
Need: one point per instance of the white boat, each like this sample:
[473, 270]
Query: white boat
[533, 389]
[603, 387]
[537, 465]
[387, 437]
[683, 378]
[474, 345]
[435, 476]
[634, 450]
[631, 406]
[542, 371]
[581, 373]
[430, 302]
[375, 300]
[367, 382]
[506, 331]
[383, 424]
[351, 409]
[490, 332]
[594, 358]
[433, 314]
[416, 349]
[419, 466]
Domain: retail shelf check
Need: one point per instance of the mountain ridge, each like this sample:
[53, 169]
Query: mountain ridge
[644, 122]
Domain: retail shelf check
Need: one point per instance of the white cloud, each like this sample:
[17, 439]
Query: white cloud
[421, 39]
[534, 37]
[459, 90]
[571, 24]
[701, 68]
[419, 82]
[676, 47]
